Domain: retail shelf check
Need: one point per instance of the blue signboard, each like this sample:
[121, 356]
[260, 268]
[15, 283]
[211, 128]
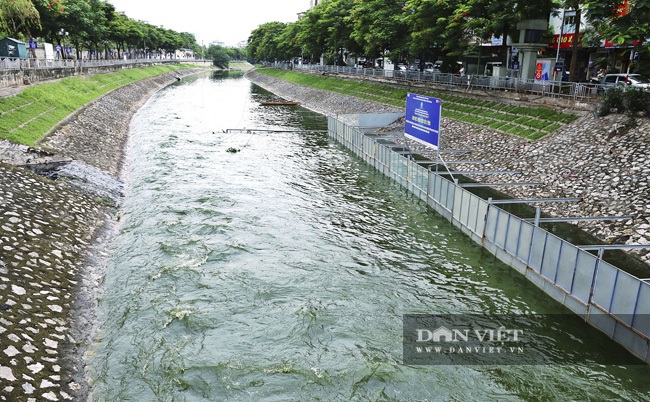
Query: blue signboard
[422, 121]
[33, 44]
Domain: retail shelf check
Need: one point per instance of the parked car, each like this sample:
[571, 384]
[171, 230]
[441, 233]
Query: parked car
[427, 66]
[431, 67]
[627, 80]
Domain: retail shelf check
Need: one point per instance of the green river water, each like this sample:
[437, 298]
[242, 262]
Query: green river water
[281, 272]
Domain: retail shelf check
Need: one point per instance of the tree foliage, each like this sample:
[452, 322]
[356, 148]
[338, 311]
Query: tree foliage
[90, 26]
[219, 55]
[18, 16]
[619, 24]
[334, 29]
[435, 29]
[378, 26]
[264, 42]
[400, 28]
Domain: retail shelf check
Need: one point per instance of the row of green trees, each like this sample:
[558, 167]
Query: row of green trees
[91, 25]
[95, 25]
[221, 56]
[427, 29]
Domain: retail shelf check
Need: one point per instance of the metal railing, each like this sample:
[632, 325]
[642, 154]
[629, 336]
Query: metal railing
[7, 63]
[559, 89]
[610, 299]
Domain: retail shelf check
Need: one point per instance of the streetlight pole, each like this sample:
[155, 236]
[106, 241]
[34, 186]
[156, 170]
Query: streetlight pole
[559, 40]
[63, 33]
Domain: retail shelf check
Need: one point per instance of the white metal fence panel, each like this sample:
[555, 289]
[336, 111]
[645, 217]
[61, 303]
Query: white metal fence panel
[512, 237]
[383, 159]
[625, 296]
[526, 231]
[418, 178]
[457, 206]
[399, 170]
[604, 285]
[436, 191]
[566, 267]
[481, 212]
[550, 262]
[501, 227]
[623, 300]
[369, 150]
[642, 312]
[536, 256]
[583, 276]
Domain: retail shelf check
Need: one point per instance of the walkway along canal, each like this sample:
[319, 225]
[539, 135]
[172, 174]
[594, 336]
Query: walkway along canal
[283, 270]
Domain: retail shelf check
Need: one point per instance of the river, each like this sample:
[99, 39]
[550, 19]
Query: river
[281, 272]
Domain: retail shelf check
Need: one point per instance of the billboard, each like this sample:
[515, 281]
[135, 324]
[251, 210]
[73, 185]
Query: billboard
[566, 42]
[542, 70]
[422, 122]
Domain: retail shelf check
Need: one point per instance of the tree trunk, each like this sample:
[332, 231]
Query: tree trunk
[573, 72]
[504, 48]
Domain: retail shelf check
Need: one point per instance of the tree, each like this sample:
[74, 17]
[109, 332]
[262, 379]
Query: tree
[379, 25]
[264, 41]
[135, 35]
[219, 56]
[338, 37]
[188, 41]
[622, 24]
[236, 53]
[17, 16]
[118, 31]
[85, 21]
[312, 34]
[289, 46]
[170, 41]
[485, 18]
[573, 69]
[427, 21]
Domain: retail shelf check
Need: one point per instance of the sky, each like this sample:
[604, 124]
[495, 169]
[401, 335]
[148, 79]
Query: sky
[212, 20]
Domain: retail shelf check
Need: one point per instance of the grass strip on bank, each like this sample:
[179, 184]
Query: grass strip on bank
[531, 123]
[26, 117]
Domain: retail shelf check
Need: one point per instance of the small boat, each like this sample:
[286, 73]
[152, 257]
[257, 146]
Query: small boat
[279, 103]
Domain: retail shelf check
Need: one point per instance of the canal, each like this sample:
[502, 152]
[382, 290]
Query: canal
[282, 272]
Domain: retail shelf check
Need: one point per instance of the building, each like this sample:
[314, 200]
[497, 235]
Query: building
[12, 48]
[184, 54]
[591, 57]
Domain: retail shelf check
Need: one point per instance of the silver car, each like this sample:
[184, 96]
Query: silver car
[625, 80]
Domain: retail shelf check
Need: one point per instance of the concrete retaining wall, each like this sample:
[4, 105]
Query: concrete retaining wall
[9, 78]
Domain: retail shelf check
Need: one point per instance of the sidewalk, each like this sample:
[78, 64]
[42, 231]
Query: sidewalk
[11, 91]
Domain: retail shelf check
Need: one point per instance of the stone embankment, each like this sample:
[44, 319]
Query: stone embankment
[46, 229]
[593, 158]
